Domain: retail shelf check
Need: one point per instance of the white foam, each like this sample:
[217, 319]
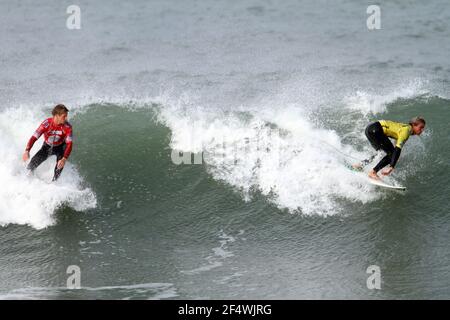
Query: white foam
[277, 152]
[33, 200]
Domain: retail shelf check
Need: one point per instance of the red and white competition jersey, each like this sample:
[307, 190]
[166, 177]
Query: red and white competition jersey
[54, 135]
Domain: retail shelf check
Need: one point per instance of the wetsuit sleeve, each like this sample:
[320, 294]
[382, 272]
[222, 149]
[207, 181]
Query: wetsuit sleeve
[395, 156]
[39, 131]
[30, 143]
[69, 142]
[403, 135]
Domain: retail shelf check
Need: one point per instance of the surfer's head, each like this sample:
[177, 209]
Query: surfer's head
[60, 113]
[418, 125]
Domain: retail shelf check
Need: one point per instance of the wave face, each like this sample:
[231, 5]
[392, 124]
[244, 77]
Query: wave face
[276, 96]
[297, 159]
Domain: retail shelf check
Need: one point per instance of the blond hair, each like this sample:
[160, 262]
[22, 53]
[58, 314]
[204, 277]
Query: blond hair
[416, 120]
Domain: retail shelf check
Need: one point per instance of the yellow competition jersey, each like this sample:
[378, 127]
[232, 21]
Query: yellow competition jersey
[396, 130]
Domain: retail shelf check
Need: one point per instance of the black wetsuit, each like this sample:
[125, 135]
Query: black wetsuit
[45, 152]
[378, 140]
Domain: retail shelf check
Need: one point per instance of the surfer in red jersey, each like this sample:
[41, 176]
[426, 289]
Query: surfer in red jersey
[57, 133]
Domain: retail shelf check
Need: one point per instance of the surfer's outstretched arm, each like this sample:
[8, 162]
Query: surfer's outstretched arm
[39, 131]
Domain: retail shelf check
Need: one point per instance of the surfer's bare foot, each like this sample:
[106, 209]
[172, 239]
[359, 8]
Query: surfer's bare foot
[373, 175]
[387, 171]
[357, 166]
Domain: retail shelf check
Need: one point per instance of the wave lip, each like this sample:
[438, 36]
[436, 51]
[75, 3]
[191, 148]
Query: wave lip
[373, 103]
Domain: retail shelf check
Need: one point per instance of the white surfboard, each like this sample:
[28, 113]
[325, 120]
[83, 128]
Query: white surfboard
[382, 184]
[378, 183]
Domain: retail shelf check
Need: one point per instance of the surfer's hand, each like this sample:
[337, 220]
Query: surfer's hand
[387, 171]
[26, 156]
[61, 163]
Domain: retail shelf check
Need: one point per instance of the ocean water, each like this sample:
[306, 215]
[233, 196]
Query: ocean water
[276, 96]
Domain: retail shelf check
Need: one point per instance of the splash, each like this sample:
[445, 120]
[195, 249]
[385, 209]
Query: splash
[374, 103]
[279, 153]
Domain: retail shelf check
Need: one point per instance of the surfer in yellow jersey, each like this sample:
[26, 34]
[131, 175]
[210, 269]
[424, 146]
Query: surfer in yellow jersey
[379, 133]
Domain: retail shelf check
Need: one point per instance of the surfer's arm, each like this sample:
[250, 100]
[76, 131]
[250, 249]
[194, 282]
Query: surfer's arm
[39, 131]
[68, 150]
[394, 158]
[402, 138]
[69, 143]
[33, 139]
[30, 143]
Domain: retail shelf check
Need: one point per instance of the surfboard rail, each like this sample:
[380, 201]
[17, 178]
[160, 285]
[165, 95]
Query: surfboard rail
[382, 184]
[378, 183]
